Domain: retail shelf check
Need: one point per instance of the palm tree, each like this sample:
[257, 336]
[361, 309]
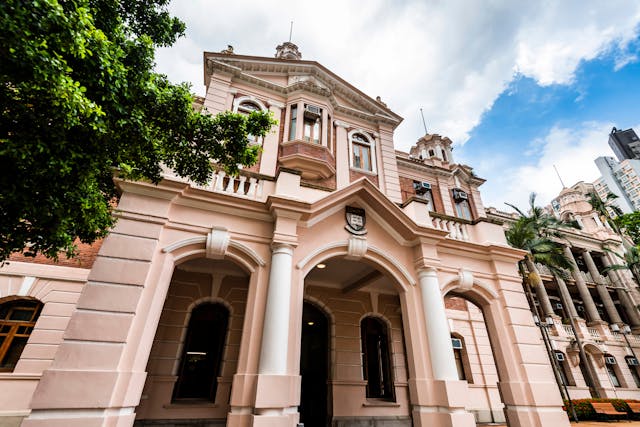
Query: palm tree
[605, 208]
[630, 261]
[538, 232]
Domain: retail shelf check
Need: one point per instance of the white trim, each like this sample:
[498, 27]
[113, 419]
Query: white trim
[203, 239]
[372, 151]
[251, 99]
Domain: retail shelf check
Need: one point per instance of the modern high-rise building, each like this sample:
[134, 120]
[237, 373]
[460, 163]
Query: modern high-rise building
[625, 144]
[621, 179]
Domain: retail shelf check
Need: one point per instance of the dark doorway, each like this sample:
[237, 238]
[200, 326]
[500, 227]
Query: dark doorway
[202, 355]
[314, 365]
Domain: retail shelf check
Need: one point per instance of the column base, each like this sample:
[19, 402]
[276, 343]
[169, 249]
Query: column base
[523, 416]
[427, 417]
[275, 419]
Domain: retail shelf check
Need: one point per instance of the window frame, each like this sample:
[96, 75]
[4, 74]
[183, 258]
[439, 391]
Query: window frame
[368, 143]
[9, 328]
[237, 108]
[220, 346]
[384, 359]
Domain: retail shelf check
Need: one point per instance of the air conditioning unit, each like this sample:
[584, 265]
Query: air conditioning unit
[456, 343]
[421, 187]
[610, 360]
[558, 306]
[312, 111]
[632, 361]
[560, 357]
[459, 194]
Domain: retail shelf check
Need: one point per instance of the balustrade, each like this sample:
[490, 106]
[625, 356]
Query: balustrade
[241, 185]
[457, 229]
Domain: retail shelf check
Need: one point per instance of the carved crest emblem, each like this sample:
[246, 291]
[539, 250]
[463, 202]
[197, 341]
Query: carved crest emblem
[356, 220]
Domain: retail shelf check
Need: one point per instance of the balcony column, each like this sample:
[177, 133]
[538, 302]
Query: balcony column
[437, 326]
[621, 289]
[585, 295]
[300, 120]
[601, 287]
[541, 292]
[567, 301]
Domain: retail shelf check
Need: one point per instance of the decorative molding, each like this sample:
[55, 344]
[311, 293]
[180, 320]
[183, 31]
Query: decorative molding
[217, 243]
[465, 278]
[356, 247]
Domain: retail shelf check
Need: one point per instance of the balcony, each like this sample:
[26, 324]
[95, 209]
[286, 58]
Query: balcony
[313, 161]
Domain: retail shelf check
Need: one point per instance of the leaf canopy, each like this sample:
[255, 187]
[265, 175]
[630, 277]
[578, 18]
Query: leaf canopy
[78, 100]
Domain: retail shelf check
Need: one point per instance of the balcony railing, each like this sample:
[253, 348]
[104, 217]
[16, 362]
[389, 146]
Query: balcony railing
[568, 330]
[594, 333]
[245, 186]
[456, 227]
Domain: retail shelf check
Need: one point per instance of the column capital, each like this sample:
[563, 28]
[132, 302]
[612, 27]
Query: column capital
[282, 248]
[427, 271]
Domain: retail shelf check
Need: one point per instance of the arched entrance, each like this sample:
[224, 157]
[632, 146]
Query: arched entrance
[314, 367]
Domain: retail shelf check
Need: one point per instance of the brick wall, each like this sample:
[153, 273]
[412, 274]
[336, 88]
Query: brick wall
[85, 258]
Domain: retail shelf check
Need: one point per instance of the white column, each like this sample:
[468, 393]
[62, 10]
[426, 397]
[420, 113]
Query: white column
[440, 349]
[342, 155]
[275, 333]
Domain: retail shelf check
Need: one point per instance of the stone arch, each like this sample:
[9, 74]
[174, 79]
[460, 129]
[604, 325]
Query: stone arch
[196, 247]
[251, 99]
[376, 257]
[474, 290]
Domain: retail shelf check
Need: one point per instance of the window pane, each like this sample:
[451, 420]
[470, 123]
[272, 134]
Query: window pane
[21, 313]
[356, 156]
[13, 354]
[292, 127]
[366, 158]
[316, 132]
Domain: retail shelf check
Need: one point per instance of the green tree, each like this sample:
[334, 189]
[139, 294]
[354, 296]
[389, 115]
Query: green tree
[629, 260]
[78, 101]
[606, 209]
[537, 232]
[630, 225]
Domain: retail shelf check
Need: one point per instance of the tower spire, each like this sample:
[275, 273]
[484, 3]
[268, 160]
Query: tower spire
[423, 122]
[290, 31]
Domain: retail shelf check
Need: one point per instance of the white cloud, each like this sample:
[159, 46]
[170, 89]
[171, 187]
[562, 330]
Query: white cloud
[452, 58]
[571, 150]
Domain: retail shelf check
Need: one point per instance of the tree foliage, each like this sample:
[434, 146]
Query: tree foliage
[78, 100]
[630, 225]
[538, 232]
[606, 209]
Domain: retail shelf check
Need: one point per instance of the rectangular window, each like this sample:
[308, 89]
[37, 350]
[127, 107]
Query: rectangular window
[292, 121]
[361, 157]
[312, 130]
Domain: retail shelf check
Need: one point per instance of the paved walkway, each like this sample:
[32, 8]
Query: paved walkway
[587, 424]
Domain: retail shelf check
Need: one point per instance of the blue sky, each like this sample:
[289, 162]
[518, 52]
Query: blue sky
[523, 115]
[518, 85]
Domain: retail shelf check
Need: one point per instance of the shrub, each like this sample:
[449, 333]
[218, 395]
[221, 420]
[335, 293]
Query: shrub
[585, 411]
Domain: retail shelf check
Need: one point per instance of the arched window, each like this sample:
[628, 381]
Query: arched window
[202, 354]
[376, 361]
[245, 106]
[362, 152]
[17, 319]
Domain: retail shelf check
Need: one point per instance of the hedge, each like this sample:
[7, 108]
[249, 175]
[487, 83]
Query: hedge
[585, 411]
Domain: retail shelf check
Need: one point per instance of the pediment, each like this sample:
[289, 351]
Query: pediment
[287, 76]
[365, 195]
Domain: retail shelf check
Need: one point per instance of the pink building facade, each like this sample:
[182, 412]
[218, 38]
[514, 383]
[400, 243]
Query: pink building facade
[322, 286]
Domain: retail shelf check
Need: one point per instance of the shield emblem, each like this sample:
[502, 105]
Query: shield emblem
[356, 220]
